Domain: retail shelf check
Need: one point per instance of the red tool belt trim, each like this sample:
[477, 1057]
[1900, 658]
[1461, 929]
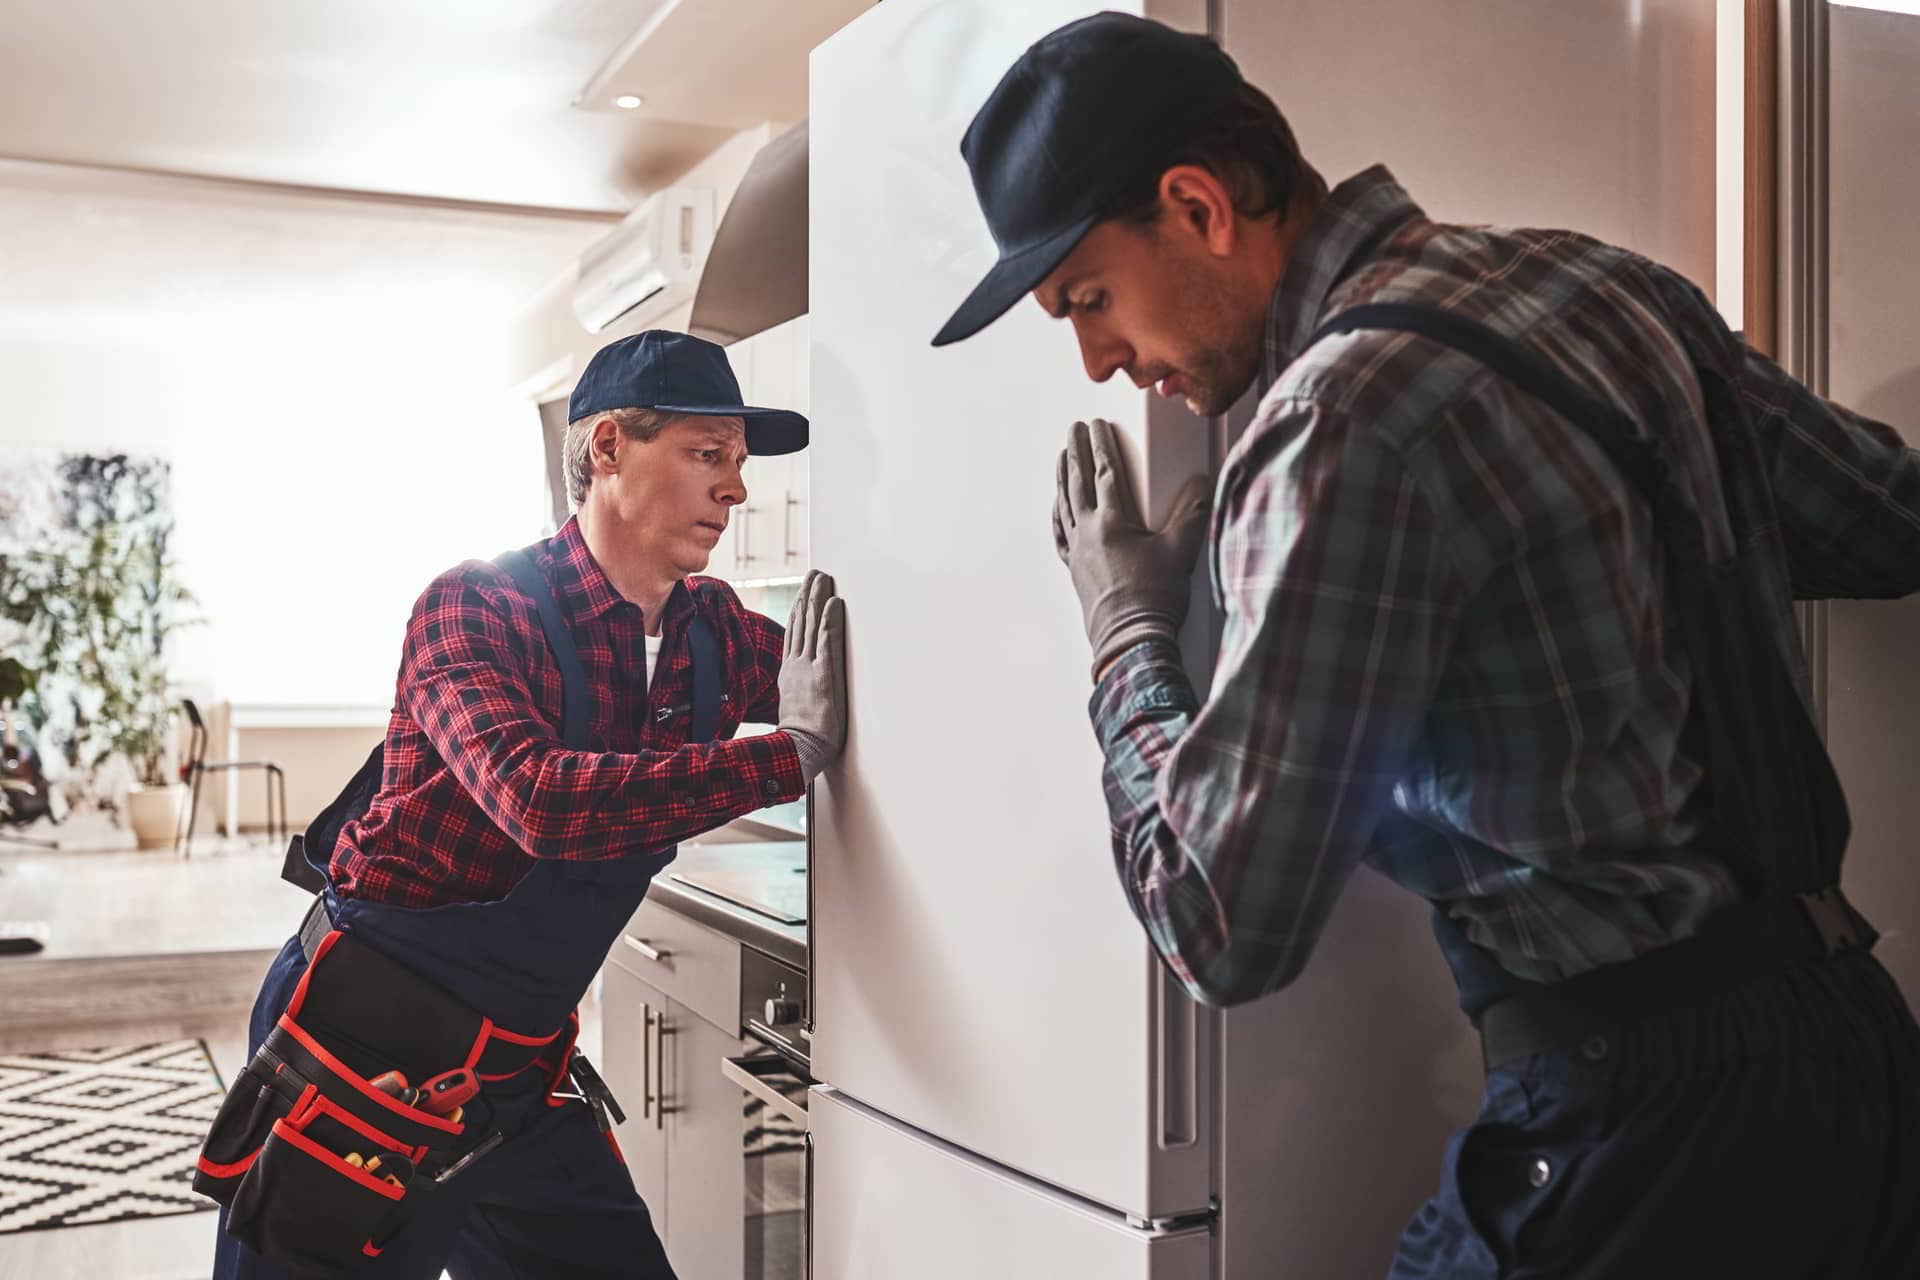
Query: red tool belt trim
[235, 1169]
[286, 1133]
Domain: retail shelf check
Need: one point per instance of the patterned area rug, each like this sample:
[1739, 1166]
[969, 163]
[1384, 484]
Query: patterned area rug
[101, 1135]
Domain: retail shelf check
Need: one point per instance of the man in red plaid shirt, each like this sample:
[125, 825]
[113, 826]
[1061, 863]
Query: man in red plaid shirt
[472, 799]
[508, 842]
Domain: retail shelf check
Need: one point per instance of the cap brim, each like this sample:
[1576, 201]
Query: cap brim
[1012, 277]
[769, 431]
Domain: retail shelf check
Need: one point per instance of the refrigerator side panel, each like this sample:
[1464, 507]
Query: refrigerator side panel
[1597, 116]
[1873, 362]
[888, 1204]
[976, 971]
[1339, 1094]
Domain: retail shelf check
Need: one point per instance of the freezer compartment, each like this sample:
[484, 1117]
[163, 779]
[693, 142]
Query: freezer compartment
[889, 1201]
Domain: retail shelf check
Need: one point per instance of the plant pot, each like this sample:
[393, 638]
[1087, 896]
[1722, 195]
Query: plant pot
[154, 814]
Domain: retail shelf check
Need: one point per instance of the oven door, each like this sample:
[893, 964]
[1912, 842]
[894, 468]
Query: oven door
[773, 1147]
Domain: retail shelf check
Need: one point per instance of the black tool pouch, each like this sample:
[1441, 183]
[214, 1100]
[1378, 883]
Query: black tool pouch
[278, 1152]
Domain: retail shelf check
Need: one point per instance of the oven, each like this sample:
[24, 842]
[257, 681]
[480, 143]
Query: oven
[771, 1074]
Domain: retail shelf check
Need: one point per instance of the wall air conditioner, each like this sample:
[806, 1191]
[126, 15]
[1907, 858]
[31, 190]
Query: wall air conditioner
[649, 263]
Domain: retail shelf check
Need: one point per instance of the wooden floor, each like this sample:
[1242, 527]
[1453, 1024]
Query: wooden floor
[144, 947]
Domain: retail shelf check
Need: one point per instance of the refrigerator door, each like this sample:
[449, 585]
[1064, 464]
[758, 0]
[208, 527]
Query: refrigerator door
[1873, 679]
[975, 969]
[889, 1202]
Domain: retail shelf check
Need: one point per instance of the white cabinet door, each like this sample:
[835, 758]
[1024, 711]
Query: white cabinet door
[888, 1203]
[797, 524]
[628, 1008]
[702, 1127]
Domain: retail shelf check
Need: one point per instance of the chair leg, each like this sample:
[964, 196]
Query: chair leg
[286, 826]
[183, 840]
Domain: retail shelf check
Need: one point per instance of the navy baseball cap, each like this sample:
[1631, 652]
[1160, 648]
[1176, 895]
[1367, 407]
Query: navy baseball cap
[1086, 111]
[679, 373]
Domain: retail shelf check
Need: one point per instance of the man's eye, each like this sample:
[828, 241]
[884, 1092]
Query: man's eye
[1093, 302]
[707, 455]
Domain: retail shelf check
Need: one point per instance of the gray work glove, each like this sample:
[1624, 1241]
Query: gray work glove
[813, 676]
[1132, 581]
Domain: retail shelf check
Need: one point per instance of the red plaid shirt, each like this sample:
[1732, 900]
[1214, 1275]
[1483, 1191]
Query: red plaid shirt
[477, 784]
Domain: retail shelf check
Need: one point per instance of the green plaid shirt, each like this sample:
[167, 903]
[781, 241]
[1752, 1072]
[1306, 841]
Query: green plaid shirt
[1447, 649]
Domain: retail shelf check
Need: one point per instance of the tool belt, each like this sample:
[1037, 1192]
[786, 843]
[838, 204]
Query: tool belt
[289, 1149]
[1735, 946]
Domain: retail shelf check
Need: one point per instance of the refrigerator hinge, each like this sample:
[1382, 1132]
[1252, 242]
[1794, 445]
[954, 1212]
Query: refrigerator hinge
[1179, 1223]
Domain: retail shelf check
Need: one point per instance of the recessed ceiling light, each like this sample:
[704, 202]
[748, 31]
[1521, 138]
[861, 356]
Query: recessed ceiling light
[627, 102]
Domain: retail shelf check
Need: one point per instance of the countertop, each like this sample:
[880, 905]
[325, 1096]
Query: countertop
[768, 869]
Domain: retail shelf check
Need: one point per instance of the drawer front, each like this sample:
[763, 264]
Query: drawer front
[688, 961]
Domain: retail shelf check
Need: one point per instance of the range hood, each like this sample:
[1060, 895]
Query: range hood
[756, 272]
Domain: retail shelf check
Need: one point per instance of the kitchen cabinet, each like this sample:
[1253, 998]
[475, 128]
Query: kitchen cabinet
[627, 1028]
[703, 1137]
[767, 536]
[671, 1012]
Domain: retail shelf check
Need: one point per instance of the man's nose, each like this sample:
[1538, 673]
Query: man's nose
[1102, 356]
[732, 489]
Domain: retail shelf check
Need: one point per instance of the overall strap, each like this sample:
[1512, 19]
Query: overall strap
[573, 679]
[1639, 457]
[705, 652]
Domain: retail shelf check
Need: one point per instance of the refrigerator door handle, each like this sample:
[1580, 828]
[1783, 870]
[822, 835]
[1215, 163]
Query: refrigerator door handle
[1176, 1025]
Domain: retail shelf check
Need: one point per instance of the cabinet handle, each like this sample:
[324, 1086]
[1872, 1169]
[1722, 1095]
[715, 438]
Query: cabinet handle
[656, 954]
[646, 1061]
[660, 1071]
[786, 528]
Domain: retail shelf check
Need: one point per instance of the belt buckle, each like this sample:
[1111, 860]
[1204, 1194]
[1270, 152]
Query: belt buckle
[1832, 919]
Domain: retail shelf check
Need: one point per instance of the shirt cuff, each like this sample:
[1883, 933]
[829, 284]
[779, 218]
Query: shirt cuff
[1147, 677]
[782, 781]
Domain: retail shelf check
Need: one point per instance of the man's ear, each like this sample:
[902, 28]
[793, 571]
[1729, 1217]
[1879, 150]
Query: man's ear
[1201, 205]
[603, 447]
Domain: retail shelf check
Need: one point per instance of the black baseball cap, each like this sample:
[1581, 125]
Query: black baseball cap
[679, 373]
[1086, 111]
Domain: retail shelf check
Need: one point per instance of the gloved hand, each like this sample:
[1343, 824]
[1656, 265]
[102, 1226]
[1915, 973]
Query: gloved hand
[1132, 581]
[813, 675]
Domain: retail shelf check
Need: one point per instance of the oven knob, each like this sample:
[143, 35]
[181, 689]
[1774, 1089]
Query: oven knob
[781, 1011]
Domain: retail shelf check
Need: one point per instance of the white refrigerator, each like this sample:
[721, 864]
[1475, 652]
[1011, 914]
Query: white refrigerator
[1011, 1087]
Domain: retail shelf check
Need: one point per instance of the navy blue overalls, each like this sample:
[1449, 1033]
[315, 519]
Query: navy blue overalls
[554, 1199]
[1742, 1104]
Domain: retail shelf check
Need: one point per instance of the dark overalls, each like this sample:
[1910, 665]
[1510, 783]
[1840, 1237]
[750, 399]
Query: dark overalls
[554, 1199]
[1744, 1103]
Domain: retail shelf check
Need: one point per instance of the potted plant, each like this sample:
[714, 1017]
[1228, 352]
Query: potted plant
[103, 601]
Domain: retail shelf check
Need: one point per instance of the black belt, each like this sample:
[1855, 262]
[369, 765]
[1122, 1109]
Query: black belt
[315, 927]
[1735, 946]
[501, 1058]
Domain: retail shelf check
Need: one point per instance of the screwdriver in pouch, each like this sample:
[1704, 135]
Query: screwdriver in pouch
[359, 1161]
[395, 1085]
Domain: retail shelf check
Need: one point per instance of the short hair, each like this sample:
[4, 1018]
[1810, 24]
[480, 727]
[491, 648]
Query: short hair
[1248, 145]
[634, 424]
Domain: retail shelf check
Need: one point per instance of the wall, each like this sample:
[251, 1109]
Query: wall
[326, 375]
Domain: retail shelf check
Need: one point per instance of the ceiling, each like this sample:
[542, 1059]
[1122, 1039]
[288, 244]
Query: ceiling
[97, 259]
[469, 100]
